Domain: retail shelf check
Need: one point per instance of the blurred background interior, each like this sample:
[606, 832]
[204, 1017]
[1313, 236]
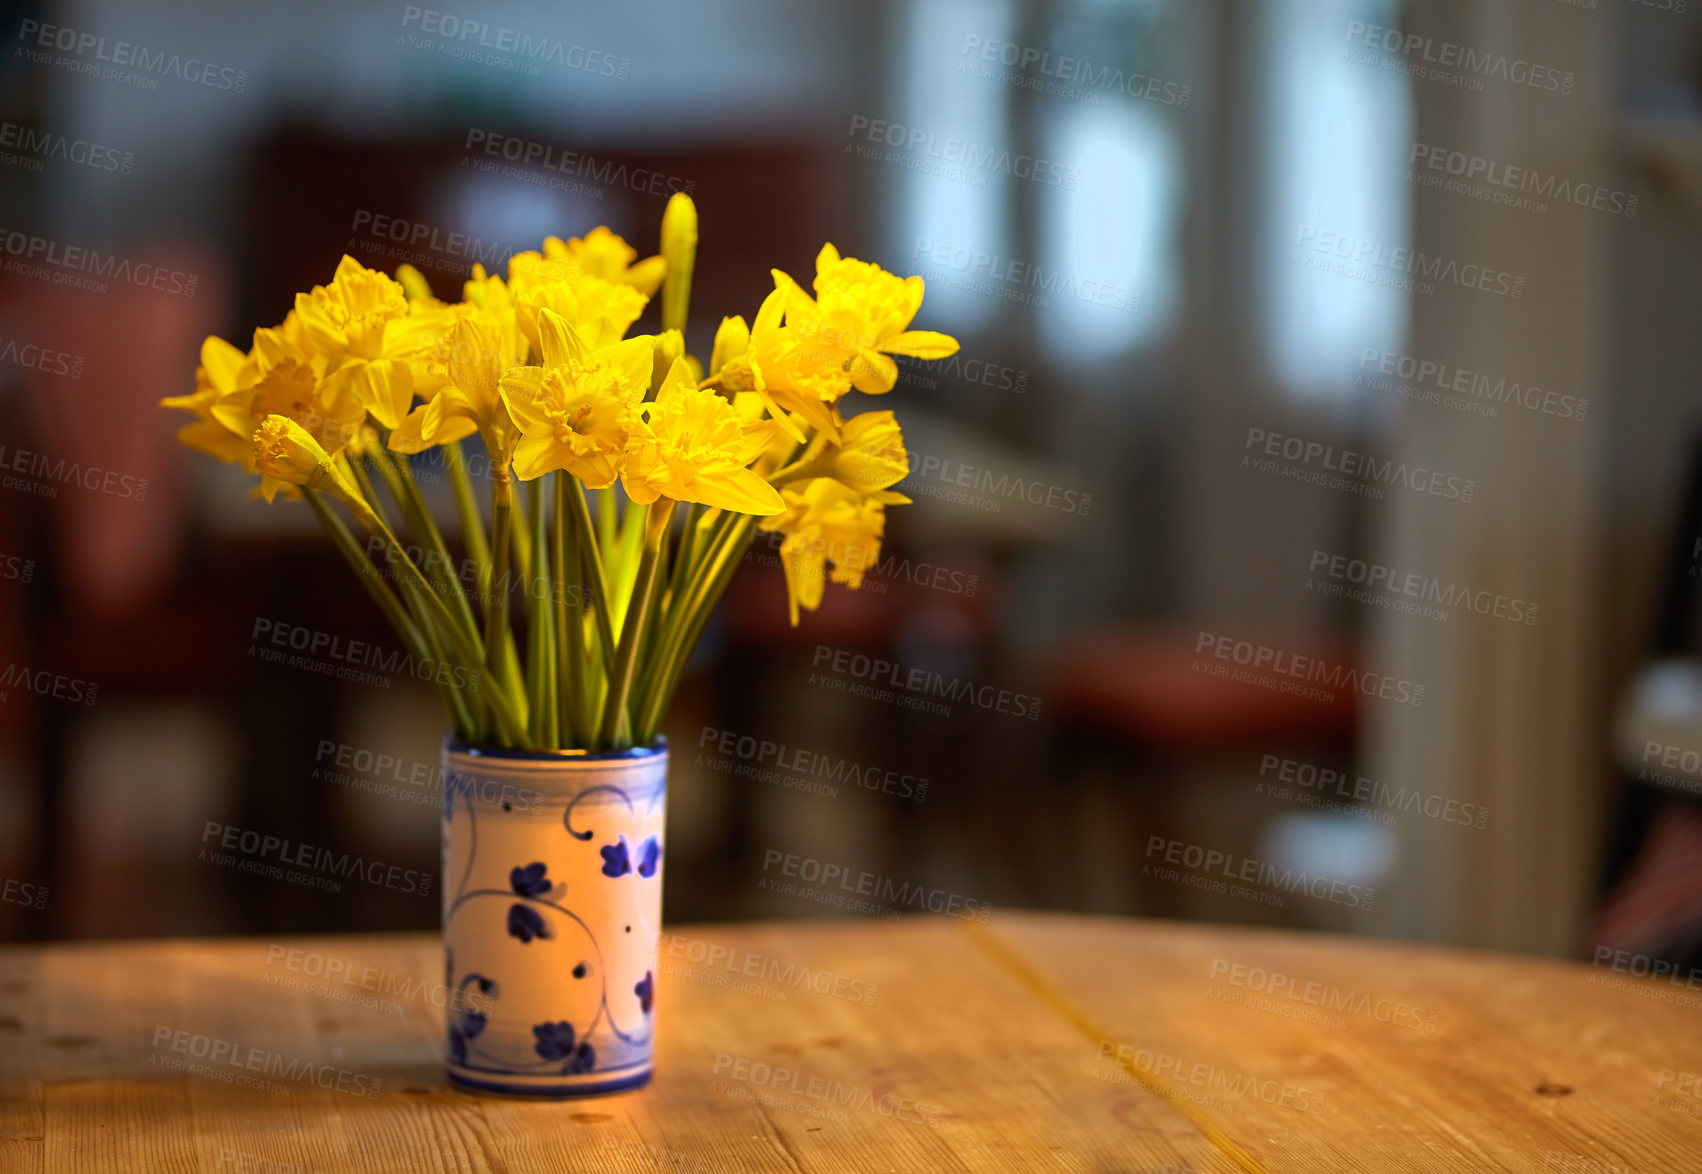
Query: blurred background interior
[1194, 193]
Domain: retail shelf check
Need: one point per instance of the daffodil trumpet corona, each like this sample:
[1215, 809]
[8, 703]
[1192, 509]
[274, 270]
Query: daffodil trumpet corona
[646, 470]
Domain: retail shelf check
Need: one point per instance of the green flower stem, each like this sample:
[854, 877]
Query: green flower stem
[573, 715]
[606, 522]
[435, 650]
[704, 587]
[387, 603]
[655, 611]
[428, 608]
[669, 599]
[684, 555]
[502, 658]
[615, 733]
[588, 547]
[622, 570]
[540, 657]
[357, 466]
[669, 642]
[679, 604]
[496, 616]
[467, 508]
[519, 536]
[466, 643]
[431, 538]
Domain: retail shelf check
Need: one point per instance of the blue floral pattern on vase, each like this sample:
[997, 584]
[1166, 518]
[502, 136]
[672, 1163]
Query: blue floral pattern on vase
[526, 924]
[646, 991]
[466, 1023]
[530, 881]
[555, 1041]
[649, 855]
[616, 863]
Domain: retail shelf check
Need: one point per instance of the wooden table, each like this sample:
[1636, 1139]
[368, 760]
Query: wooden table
[1032, 1043]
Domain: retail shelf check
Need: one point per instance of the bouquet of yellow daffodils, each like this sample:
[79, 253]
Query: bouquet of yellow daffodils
[610, 435]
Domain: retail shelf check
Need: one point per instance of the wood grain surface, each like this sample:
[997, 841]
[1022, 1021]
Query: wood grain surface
[1033, 1043]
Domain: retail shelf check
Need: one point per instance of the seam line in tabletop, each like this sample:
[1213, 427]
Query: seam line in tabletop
[1020, 969]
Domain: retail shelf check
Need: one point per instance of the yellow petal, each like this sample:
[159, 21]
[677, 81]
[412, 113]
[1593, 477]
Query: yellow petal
[646, 276]
[222, 361]
[773, 307]
[913, 290]
[828, 256]
[385, 387]
[475, 362]
[635, 358]
[523, 392]
[639, 490]
[872, 372]
[921, 344]
[739, 490]
[323, 332]
[406, 437]
[732, 340]
[787, 424]
[349, 269]
[814, 411]
[558, 341]
[536, 453]
[451, 416]
[806, 579]
[679, 379]
[215, 439]
[800, 306]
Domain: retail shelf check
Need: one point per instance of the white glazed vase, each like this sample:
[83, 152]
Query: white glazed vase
[552, 904]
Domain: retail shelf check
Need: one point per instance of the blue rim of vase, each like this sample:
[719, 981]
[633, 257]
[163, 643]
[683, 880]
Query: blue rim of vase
[656, 749]
[557, 1092]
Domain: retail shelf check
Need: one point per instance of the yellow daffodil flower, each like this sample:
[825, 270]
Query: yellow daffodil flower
[603, 254]
[694, 445]
[488, 295]
[364, 330]
[288, 454]
[771, 360]
[236, 392]
[600, 311]
[536, 361]
[471, 401]
[859, 317]
[870, 455]
[348, 318]
[825, 521]
[576, 411]
[430, 334]
[288, 384]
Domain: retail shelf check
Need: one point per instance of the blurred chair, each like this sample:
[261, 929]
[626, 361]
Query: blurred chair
[1135, 701]
[1652, 874]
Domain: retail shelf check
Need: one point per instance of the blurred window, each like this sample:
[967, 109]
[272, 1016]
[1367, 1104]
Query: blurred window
[1335, 135]
[939, 98]
[1115, 237]
[1096, 169]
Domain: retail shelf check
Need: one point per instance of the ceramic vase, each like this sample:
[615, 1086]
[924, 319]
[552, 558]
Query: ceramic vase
[552, 904]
